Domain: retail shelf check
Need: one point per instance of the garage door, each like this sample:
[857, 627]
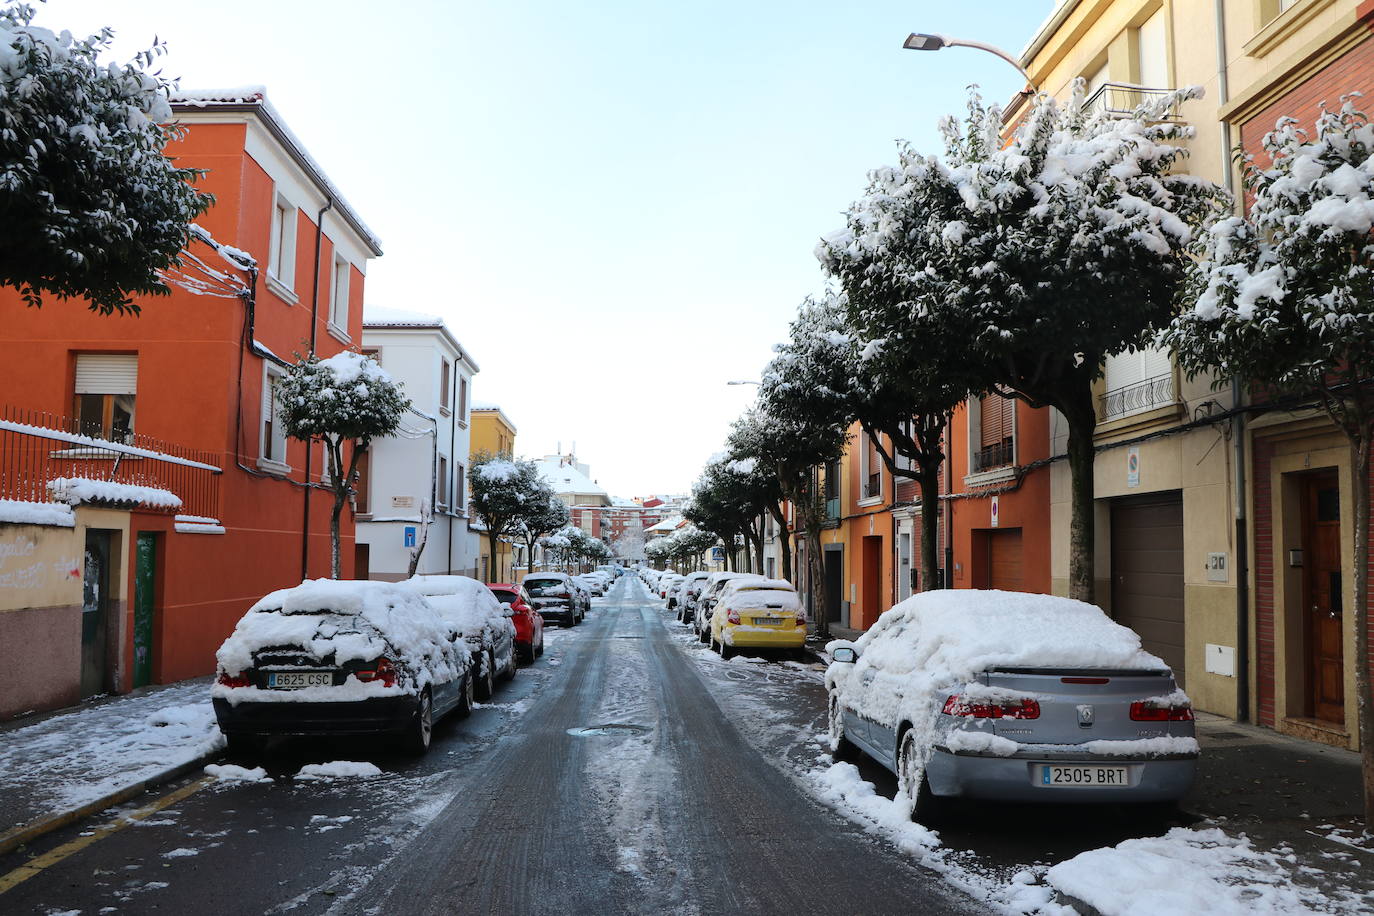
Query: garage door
[1147, 572]
[1004, 559]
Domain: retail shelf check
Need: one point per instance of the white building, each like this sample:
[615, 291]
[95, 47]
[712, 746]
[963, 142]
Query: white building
[421, 473]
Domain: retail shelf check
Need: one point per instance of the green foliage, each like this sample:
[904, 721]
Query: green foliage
[345, 397]
[89, 205]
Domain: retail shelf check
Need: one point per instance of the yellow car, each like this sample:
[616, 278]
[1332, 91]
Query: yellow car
[758, 614]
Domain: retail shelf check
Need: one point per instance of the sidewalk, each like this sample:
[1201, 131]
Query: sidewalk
[61, 766]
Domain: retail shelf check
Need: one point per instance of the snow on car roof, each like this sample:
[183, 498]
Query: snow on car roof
[462, 586]
[773, 585]
[755, 598]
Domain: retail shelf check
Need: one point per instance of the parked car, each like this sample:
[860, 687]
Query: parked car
[691, 592]
[554, 595]
[758, 613]
[1012, 697]
[488, 628]
[583, 595]
[666, 582]
[595, 585]
[332, 657]
[529, 624]
[701, 620]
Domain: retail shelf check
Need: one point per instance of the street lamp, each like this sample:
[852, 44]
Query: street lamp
[921, 41]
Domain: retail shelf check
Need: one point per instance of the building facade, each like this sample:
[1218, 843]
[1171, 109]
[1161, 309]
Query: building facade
[413, 494]
[199, 371]
[492, 433]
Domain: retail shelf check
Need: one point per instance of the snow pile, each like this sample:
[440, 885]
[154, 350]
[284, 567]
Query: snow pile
[469, 607]
[234, 773]
[351, 368]
[339, 769]
[18, 512]
[76, 490]
[338, 621]
[1177, 872]
[497, 470]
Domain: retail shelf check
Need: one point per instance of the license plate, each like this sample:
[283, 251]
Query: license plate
[767, 621]
[1056, 775]
[289, 680]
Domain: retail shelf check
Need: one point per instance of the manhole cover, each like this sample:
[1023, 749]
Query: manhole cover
[613, 730]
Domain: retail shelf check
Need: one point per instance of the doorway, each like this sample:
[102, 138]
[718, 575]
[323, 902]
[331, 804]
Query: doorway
[834, 582]
[872, 591]
[1322, 588]
[95, 604]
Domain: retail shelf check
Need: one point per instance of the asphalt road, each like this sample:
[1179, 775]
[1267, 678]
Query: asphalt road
[625, 772]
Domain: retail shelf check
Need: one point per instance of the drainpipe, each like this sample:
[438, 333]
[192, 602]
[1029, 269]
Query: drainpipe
[948, 578]
[314, 337]
[1237, 426]
[452, 439]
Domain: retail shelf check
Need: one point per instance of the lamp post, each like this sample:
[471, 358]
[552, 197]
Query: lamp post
[922, 41]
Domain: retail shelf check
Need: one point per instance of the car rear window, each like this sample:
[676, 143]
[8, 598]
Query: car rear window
[503, 595]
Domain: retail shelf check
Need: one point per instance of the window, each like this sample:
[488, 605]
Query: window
[338, 296]
[1136, 381]
[281, 261]
[443, 383]
[995, 441]
[1152, 56]
[105, 392]
[871, 469]
[441, 485]
[272, 442]
[462, 397]
[460, 490]
[362, 484]
[832, 489]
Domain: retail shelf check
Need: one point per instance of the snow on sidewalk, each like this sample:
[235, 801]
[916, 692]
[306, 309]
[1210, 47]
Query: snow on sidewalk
[76, 757]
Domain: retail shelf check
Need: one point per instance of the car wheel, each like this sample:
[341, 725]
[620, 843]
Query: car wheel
[509, 673]
[704, 636]
[421, 729]
[464, 707]
[841, 748]
[913, 788]
[485, 684]
[539, 649]
[726, 652]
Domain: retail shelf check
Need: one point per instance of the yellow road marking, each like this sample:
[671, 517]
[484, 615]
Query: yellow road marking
[53, 856]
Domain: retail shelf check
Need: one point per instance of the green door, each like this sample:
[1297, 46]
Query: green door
[144, 602]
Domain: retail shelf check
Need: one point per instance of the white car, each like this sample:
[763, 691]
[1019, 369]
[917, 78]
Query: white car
[484, 622]
[1012, 697]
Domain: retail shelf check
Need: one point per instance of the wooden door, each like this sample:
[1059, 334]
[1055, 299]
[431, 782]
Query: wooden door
[1147, 573]
[1322, 597]
[145, 604]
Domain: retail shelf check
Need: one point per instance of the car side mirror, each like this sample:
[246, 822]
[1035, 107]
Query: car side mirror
[507, 610]
[846, 655]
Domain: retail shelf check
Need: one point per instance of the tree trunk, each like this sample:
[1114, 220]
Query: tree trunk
[757, 534]
[784, 541]
[335, 566]
[930, 520]
[493, 567]
[1364, 698]
[814, 557]
[1082, 422]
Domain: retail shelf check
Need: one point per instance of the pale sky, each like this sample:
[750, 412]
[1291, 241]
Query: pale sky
[612, 203]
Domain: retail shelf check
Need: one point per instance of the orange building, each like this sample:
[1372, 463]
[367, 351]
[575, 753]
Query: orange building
[198, 370]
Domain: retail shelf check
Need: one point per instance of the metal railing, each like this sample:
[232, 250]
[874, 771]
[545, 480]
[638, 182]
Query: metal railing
[873, 486]
[999, 455]
[1129, 399]
[37, 447]
[1120, 100]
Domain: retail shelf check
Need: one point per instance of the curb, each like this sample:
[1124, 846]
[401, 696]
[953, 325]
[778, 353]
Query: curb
[12, 839]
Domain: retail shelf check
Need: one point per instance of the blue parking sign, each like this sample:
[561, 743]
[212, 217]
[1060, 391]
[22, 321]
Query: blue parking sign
[410, 536]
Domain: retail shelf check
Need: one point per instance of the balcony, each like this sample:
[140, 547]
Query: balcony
[1120, 100]
[873, 486]
[1137, 398]
[990, 457]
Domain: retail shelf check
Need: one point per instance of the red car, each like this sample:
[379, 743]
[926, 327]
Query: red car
[529, 624]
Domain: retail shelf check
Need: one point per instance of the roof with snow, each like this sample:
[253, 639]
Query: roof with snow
[382, 318]
[671, 523]
[253, 99]
[566, 477]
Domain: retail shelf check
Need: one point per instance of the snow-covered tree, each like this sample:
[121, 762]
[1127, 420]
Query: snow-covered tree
[1283, 299]
[794, 446]
[545, 513]
[729, 500]
[630, 545]
[1041, 254]
[503, 491]
[89, 205]
[345, 402]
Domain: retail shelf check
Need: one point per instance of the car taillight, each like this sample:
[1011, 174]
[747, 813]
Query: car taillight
[235, 680]
[1149, 712]
[1026, 709]
[732, 616]
[801, 618]
[383, 671]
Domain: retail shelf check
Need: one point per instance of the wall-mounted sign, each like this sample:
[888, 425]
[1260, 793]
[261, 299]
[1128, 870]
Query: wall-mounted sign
[409, 536]
[403, 502]
[994, 512]
[1133, 466]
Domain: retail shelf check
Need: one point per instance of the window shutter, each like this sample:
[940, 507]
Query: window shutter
[106, 373]
[992, 409]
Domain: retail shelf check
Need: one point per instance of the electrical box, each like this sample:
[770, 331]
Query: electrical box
[1218, 568]
[1221, 660]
